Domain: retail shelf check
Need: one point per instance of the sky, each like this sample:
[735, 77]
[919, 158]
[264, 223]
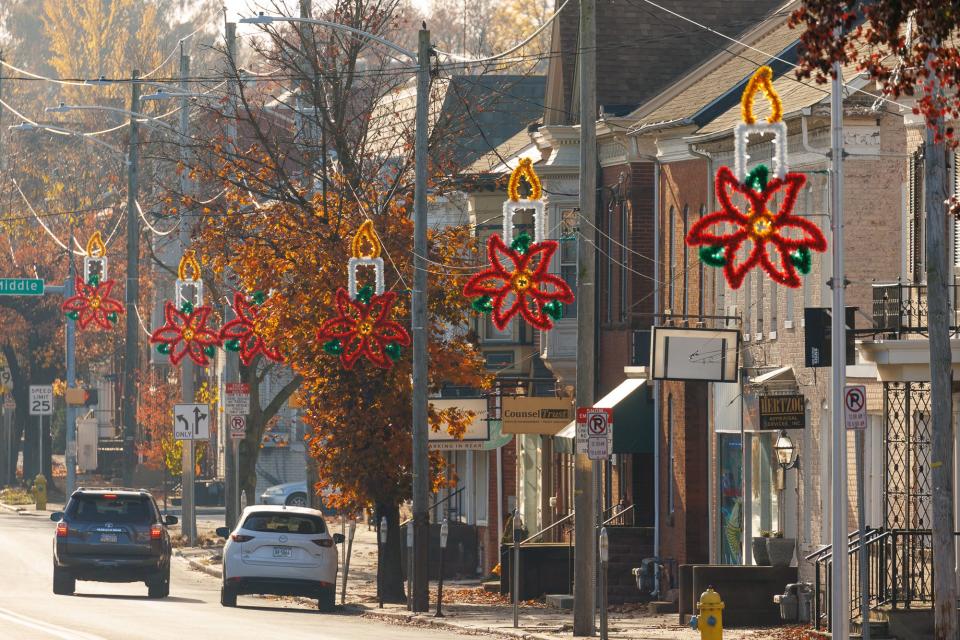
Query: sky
[244, 8]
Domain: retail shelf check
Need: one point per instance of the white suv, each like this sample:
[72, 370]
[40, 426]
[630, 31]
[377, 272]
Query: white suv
[280, 550]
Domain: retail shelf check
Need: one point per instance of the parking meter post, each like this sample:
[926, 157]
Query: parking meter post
[444, 533]
[515, 568]
[604, 543]
[383, 541]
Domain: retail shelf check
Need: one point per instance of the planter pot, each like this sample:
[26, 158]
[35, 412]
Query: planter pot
[780, 551]
[760, 556]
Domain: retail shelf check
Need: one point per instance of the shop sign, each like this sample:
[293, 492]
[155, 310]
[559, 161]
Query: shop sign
[782, 412]
[543, 416]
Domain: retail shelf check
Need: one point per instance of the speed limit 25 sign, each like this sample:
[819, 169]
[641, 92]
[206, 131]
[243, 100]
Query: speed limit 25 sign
[41, 400]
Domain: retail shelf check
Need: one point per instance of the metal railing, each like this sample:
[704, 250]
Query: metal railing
[899, 571]
[620, 512]
[452, 512]
[901, 309]
[553, 526]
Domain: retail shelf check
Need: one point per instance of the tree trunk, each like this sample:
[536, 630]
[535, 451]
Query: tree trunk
[390, 565]
[941, 389]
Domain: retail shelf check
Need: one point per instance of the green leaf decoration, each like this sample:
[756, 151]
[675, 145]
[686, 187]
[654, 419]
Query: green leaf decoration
[186, 307]
[259, 297]
[757, 179]
[392, 350]
[365, 293]
[112, 317]
[73, 315]
[209, 350]
[714, 256]
[232, 345]
[554, 309]
[94, 280]
[333, 347]
[802, 260]
[483, 304]
[521, 243]
[163, 348]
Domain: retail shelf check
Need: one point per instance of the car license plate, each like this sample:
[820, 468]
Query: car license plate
[108, 537]
[282, 552]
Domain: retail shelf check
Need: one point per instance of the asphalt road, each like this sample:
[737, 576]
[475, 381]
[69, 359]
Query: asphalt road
[104, 611]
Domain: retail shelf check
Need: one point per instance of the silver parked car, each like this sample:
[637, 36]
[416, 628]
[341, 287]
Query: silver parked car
[291, 494]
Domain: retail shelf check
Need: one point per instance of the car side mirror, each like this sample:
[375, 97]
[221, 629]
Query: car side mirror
[170, 520]
[223, 532]
[56, 516]
[338, 538]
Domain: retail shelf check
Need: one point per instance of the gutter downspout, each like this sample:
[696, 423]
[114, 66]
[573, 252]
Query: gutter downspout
[656, 383]
[719, 309]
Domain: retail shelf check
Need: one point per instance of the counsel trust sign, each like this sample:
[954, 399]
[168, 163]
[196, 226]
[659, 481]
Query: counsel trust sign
[544, 416]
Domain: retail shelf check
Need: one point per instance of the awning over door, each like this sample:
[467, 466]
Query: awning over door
[632, 404]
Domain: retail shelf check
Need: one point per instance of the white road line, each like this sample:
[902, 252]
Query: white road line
[58, 632]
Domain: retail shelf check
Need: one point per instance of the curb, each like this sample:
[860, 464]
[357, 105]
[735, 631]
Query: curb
[198, 566]
[20, 510]
[429, 621]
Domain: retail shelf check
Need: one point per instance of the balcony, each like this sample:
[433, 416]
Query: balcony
[900, 310]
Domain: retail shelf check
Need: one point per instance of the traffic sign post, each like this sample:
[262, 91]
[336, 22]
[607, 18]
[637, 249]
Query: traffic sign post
[855, 407]
[238, 427]
[41, 404]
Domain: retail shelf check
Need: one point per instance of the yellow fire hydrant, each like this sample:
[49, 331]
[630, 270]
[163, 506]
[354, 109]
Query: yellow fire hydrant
[709, 621]
[40, 491]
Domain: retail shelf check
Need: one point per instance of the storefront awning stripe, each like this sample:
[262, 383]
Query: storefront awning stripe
[609, 401]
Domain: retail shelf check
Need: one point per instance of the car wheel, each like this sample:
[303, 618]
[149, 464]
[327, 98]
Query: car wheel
[159, 587]
[63, 583]
[297, 500]
[327, 600]
[228, 597]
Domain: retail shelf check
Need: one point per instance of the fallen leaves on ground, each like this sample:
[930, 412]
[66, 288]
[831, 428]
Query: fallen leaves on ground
[480, 596]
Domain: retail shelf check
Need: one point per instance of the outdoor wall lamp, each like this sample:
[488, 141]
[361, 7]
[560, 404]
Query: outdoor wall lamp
[786, 451]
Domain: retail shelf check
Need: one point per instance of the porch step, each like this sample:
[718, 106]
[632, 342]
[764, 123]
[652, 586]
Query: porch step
[879, 630]
[559, 600]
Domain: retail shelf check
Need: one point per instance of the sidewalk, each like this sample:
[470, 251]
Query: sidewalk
[468, 608]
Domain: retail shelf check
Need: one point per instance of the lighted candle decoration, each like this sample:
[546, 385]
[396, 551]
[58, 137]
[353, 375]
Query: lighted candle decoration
[186, 332]
[91, 305]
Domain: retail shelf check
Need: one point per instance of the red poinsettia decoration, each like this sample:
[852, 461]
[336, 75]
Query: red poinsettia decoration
[92, 304]
[517, 282]
[364, 328]
[186, 333]
[761, 226]
[240, 333]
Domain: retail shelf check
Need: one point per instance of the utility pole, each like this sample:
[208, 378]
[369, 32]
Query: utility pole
[839, 590]
[71, 340]
[941, 432]
[131, 350]
[232, 368]
[420, 333]
[188, 515]
[587, 472]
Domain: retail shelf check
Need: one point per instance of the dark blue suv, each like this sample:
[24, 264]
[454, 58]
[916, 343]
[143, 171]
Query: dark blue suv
[112, 535]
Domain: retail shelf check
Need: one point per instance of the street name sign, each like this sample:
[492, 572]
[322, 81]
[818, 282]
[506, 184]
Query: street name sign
[21, 286]
[238, 427]
[236, 399]
[41, 400]
[855, 407]
[191, 421]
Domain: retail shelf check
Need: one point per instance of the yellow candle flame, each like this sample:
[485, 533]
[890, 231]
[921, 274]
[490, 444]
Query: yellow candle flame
[365, 234]
[188, 261]
[762, 80]
[524, 170]
[95, 246]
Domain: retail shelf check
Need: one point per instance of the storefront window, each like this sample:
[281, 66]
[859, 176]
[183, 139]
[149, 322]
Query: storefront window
[731, 498]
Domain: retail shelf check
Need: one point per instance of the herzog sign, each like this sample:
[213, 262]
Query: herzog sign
[543, 416]
[782, 412]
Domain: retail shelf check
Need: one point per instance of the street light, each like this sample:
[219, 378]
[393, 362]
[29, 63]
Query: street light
[418, 306]
[786, 451]
[444, 533]
[139, 117]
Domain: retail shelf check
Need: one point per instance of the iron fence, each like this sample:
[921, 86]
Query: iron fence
[901, 309]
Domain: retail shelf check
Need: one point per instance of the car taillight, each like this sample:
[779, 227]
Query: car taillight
[239, 537]
[323, 542]
[109, 496]
[62, 530]
[156, 532]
